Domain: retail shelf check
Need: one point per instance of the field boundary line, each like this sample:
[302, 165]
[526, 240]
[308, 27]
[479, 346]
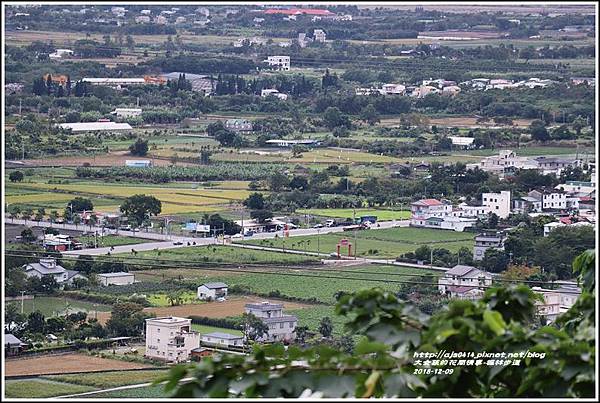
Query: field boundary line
[45, 376]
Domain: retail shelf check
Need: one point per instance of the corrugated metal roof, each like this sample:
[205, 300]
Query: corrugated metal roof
[117, 274]
[220, 335]
[95, 126]
[460, 270]
[214, 285]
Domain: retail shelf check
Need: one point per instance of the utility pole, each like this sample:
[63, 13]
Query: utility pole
[22, 299]
[223, 234]
[354, 219]
[318, 243]
[20, 102]
[431, 257]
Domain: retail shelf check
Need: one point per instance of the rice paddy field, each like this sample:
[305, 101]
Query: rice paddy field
[108, 196]
[383, 215]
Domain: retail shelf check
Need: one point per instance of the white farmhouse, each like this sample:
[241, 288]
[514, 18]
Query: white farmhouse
[485, 241]
[170, 339]
[464, 282]
[118, 278]
[319, 35]
[273, 92]
[556, 301]
[281, 327]
[278, 62]
[47, 267]
[127, 112]
[212, 291]
[396, 89]
[550, 199]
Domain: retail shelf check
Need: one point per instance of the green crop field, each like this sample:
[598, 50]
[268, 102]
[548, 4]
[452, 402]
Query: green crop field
[51, 306]
[317, 284]
[387, 243]
[156, 391]
[203, 329]
[110, 379]
[160, 299]
[311, 282]
[40, 388]
[224, 254]
[382, 215]
[112, 240]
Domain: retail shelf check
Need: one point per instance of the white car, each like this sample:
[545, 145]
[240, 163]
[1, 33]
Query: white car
[237, 236]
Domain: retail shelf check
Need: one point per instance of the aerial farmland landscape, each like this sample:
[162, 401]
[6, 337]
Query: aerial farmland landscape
[317, 200]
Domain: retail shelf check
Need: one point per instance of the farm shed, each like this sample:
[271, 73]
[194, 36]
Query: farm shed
[212, 291]
[95, 126]
[224, 339]
[119, 278]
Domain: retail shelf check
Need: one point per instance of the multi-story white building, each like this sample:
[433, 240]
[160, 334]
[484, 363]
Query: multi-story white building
[278, 62]
[464, 282]
[281, 327]
[170, 339]
[430, 208]
[432, 213]
[551, 200]
[319, 35]
[578, 188]
[238, 125]
[393, 89]
[504, 161]
[556, 301]
[498, 203]
[526, 205]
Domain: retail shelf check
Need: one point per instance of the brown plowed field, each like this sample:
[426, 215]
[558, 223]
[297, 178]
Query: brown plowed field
[65, 363]
[232, 307]
[99, 161]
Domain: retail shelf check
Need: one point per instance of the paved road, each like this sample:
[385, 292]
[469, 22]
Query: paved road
[168, 242]
[88, 228]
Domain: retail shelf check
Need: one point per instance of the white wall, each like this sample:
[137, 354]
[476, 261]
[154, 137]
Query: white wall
[499, 203]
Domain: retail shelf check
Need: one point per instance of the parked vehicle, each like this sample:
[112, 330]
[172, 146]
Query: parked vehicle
[318, 226]
[330, 223]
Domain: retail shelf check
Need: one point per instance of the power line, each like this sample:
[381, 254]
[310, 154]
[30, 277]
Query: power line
[164, 263]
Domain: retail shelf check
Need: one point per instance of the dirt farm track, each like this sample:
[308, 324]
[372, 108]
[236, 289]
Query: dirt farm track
[65, 363]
